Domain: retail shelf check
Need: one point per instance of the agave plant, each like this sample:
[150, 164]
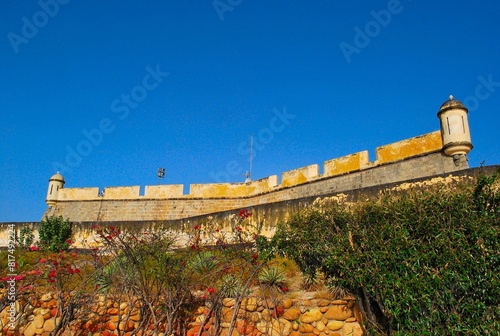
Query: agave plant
[203, 262]
[272, 276]
[230, 286]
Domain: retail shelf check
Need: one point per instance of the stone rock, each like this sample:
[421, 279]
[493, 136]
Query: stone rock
[351, 304]
[266, 315]
[335, 325]
[123, 305]
[245, 327]
[324, 309]
[338, 312]
[110, 326]
[350, 319]
[306, 328]
[295, 333]
[38, 321]
[285, 327]
[312, 315]
[113, 311]
[46, 297]
[250, 304]
[323, 303]
[292, 314]
[320, 326]
[30, 330]
[339, 302]
[295, 326]
[227, 314]
[255, 317]
[353, 329]
[228, 302]
[126, 326]
[49, 325]
[287, 303]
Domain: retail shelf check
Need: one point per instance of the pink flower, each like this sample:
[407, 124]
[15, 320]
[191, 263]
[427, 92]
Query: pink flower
[238, 228]
[95, 226]
[196, 227]
[211, 290]
[41, 261]
[34, 248]
[18, 277]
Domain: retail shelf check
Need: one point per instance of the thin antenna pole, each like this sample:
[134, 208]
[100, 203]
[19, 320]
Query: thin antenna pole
[251, 156]
[248, 174]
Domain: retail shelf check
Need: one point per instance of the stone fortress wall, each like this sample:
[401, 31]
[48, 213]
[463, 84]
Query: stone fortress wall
[408, 159]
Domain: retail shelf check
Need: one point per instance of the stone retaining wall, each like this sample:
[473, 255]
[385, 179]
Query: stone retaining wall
[255, 317]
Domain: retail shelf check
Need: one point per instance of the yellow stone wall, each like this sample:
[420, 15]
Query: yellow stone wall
[346, 164]
[78, 194]
[164, 191]
[426, 143]
[299, 175]
[121, 192]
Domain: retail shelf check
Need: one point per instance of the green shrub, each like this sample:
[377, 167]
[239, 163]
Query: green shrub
[423, 262]
[26, 237]
[54, 234]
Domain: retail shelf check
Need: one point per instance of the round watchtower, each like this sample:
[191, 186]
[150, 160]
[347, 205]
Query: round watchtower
[455, 129]
[56, 182]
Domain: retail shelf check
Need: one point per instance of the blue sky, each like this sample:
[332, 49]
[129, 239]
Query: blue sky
[107, 92]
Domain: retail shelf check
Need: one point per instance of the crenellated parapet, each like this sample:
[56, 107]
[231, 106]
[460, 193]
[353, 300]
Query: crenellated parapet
[401, 150]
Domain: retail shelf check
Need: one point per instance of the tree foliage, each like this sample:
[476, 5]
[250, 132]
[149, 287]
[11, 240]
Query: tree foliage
[54, 234]
[422, 262]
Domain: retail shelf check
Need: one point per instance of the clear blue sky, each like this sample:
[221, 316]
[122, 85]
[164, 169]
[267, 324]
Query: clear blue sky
[354, 75]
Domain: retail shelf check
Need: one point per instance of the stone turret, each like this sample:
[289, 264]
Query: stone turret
[455, 131]
[56, 182]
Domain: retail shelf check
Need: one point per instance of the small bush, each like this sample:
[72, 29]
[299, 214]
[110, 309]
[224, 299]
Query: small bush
[54, 234]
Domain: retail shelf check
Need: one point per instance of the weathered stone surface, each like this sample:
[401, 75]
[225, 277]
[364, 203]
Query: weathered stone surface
[245, 327]
[255, 317]
[323, 303]
[335, 325]
[353, 329]
[38, 321]
[250, 304]
[340, 313]
[306, 328]
[227, 314]
[287, 303]
[30, 330]
[228, 302]
[292, 314]
[111, 326]
[350, 319]
[312, 315]
[285, 327]
[46, 297]
[48, 325]
[320, 326]
[339, 302]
